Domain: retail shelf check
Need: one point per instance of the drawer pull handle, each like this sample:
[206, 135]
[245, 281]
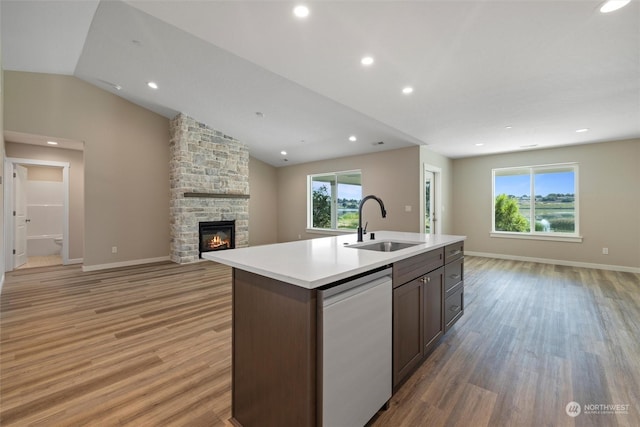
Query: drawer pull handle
[454, 308]
[425, 279]
[455, 276]
[455, 252]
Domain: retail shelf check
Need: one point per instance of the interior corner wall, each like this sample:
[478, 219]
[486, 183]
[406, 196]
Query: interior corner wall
[76, 186]
[263, 203]
[126, 161]
[609, 202]
[392, 175]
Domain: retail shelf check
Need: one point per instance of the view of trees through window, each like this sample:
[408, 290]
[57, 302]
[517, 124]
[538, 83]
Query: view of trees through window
[553, 208]
[335, 199]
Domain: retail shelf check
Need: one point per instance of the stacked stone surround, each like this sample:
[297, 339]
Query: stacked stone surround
[204, 160]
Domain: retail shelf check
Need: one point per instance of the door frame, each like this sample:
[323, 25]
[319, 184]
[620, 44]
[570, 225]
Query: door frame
[437, 205]
[9, 163]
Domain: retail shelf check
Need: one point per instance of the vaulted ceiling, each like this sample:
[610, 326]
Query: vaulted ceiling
[487, 76]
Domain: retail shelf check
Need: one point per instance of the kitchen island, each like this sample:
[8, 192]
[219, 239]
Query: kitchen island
[280, 328]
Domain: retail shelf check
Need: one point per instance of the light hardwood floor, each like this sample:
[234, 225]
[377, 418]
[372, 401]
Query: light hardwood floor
[151, 345]
[42, 261]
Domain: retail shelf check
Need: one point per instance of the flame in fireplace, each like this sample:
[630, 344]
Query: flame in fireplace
[218, 243]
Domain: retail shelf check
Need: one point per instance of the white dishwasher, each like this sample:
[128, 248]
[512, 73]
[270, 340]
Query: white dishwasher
[356, 349]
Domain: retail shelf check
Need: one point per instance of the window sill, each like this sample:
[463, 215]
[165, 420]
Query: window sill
[329, 231]
[529, 236]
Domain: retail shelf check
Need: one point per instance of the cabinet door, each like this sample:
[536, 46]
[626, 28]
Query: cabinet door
[407, 329]
[433, 284]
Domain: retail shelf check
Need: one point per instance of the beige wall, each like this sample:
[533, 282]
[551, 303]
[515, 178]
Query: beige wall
[609, 178]
[76, 186]
[263, 203]
[126, 160]
[2, 156]
[394, 176]
[445, 165]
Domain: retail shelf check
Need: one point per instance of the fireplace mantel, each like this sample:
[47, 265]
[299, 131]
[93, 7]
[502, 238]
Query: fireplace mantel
[217, 195]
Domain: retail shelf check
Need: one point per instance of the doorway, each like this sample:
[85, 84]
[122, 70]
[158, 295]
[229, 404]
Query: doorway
[430, 199]
[37, 209]
[429, 213]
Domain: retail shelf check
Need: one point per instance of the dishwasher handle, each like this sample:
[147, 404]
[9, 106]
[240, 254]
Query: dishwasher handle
[345, 290]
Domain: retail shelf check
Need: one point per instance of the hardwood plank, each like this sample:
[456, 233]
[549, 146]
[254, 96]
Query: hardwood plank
[151, 345]
[534, 337]
[70, 357]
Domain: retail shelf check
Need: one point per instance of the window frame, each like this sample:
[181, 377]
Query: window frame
[334, 215]
[532, 234]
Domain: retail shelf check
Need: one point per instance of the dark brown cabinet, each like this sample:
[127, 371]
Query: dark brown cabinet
[428, 299]
[407, 328]
[432, 285]
[453, 284]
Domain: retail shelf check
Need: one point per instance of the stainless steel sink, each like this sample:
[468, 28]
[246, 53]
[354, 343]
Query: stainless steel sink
[384, 246]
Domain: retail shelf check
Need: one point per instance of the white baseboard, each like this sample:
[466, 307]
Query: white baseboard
[555, 262]
[86, 268]
[75, 261]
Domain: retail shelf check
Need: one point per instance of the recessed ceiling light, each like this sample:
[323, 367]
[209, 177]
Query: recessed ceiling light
[353, 138]
[529, 146]
[113, 85]
[301, 11]
[611, 5]
[367, 60]
[152, 85]
[479, 144]
[508, 127]
[407, 90]
[52, 143]
[582, 130]
[284, 153]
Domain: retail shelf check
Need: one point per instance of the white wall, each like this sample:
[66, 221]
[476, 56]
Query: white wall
[609, 182]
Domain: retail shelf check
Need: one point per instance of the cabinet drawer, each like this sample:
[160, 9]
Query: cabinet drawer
[453, 306]
[453, 252]
[453, 274]
[408, 269]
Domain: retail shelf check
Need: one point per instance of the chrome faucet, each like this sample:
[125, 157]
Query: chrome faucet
[382, 210]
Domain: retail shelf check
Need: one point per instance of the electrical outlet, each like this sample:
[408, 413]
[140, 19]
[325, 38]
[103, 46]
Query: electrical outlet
[114, 249]
[407, 208]
[605, 251]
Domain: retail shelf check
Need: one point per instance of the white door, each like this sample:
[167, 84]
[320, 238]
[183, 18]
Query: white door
[20, 216]
[429, 198]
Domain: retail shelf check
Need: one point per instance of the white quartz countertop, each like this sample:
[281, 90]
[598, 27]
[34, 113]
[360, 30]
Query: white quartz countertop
[318, 262]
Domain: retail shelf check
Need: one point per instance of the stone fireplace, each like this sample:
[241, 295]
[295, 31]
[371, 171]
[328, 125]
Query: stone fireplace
[209, 178]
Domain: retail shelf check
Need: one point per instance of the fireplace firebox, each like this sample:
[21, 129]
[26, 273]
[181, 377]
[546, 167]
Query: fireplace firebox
[216, 235]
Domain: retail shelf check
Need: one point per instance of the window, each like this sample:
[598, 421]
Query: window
[536, 201]
[334, 199]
